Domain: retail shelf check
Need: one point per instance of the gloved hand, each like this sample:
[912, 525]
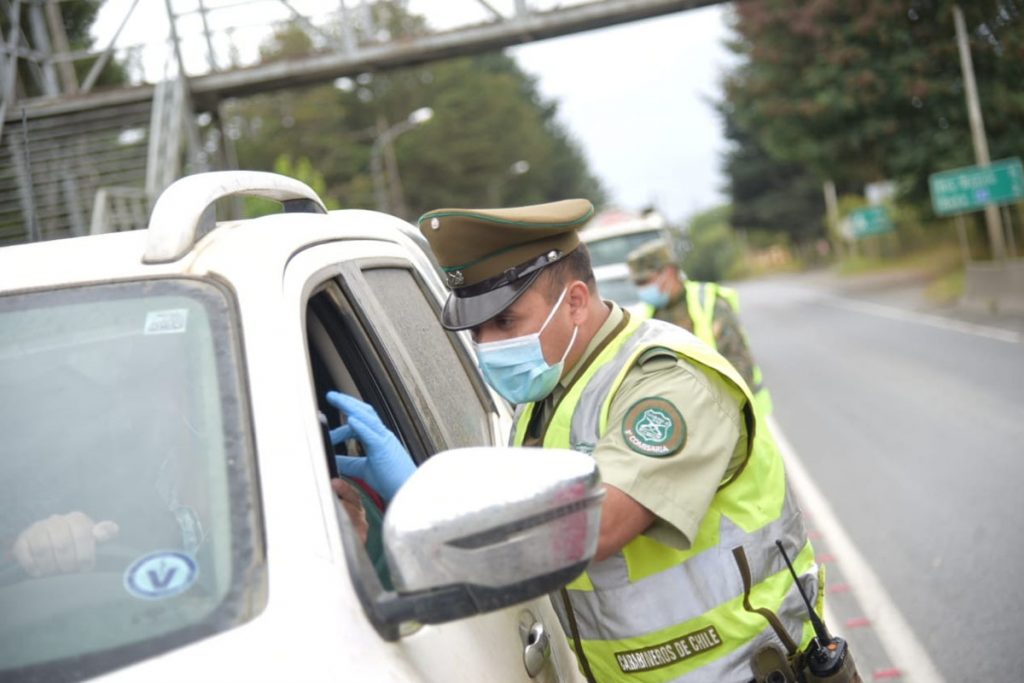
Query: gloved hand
[61, 544]
[387, 464]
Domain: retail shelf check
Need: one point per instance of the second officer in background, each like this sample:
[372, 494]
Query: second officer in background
[707, 309]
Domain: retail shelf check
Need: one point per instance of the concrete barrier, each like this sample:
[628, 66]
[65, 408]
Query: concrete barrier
[995, 287]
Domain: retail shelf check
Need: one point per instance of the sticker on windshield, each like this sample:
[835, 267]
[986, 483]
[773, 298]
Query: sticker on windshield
[171, 321]
[162, 574]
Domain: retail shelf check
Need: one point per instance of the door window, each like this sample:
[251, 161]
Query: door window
[455, 403]
[374, 332]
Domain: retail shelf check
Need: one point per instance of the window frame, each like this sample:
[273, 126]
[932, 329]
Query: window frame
[357, 352]
[360, 338]
[399, 361]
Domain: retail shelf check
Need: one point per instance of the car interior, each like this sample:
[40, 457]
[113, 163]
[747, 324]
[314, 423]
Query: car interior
[342, 360]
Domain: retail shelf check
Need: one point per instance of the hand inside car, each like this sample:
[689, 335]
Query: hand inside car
[353, 505]
[387, 464]
[61, 544]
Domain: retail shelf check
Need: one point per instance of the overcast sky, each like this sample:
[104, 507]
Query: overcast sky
[635, 96]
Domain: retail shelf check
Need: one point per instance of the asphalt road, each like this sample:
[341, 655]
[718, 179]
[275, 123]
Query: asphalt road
[913, 428]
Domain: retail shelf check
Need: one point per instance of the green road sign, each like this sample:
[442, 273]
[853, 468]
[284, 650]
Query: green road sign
[962, 190]
[871, 220]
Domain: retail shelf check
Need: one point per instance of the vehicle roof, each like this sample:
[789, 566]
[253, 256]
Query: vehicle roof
[611, 271]
[267, 240]
[614, 223]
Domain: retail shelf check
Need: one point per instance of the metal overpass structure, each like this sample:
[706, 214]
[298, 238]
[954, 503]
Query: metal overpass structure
[75, 158]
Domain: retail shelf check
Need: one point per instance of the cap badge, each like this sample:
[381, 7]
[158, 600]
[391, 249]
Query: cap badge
[455, 278]
[435, 224]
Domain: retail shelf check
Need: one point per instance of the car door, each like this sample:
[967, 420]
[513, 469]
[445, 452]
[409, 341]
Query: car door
[373, 330]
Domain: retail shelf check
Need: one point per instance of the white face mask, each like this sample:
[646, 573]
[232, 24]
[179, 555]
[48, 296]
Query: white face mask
[516, 367]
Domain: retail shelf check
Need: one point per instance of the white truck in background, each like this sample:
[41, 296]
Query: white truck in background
[610, 236]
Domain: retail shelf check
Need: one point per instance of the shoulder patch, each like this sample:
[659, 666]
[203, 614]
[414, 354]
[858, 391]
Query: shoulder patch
[656, 352]
[656, 358]
[654, 427]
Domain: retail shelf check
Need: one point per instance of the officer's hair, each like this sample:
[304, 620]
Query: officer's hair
[574, 266]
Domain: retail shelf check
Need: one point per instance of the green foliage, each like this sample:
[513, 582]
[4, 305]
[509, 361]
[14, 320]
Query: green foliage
[77, 17]
[714, 253]
[882, 96]
[770, 197]
[946, 289]
[914, 228]
[488, 115]
[300, 169]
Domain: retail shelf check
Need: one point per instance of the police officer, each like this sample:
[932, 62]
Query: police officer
[707, 309]
[671, 426]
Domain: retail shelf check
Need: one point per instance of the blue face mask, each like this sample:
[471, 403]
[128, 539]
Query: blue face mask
[516, 367]
[652, 294]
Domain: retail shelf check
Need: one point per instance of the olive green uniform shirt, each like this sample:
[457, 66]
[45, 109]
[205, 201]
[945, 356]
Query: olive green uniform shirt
[679, 487]
[729, 338]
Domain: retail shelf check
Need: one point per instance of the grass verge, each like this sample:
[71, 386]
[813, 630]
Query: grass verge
[946, 289]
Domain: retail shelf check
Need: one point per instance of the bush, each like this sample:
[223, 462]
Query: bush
[715, 253]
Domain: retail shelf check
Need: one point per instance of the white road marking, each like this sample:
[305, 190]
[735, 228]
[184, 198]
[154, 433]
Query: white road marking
[893, 631]
[938, 321]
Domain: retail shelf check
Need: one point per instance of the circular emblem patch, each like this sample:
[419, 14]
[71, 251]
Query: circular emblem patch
[654, 427]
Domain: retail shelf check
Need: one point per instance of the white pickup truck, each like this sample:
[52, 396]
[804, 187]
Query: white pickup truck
[610, 237]
[168, 384]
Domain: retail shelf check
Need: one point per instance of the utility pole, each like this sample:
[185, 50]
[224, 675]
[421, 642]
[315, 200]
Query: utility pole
[387, 192]
[396, 195]
[992, 218]
[832, 217]
[380, 191]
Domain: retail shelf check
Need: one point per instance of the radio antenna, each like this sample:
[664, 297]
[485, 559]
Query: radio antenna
[819, 626]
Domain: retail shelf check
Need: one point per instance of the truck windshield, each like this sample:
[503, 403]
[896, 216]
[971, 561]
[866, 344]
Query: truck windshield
[615, 249]
[127, 507]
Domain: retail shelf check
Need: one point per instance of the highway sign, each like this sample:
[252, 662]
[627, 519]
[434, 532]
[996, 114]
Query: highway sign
[871, 220]
[962, 190]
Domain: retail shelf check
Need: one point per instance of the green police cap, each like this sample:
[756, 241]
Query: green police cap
[491, 256]
[647, 260]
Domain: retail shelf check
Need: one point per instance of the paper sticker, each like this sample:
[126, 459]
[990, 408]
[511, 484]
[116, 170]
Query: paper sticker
[172, 321]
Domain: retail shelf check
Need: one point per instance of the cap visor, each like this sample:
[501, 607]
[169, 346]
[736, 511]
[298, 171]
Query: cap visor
[461, 313]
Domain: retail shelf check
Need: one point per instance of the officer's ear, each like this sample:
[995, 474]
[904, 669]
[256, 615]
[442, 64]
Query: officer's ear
[578, 295]
[668, 276]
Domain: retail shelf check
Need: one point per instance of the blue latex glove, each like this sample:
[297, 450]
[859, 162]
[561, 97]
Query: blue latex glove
[387, 464]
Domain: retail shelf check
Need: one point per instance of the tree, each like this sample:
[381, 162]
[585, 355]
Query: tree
[714, 251]
[488, 116]
[77, 17]
[769, 195]
[865, 90]
[300, 169]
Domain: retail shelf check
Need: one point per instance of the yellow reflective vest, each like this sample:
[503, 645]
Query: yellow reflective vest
[700, 304]
[652, 613]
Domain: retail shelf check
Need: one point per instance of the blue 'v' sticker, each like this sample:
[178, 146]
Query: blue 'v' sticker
[161, 575]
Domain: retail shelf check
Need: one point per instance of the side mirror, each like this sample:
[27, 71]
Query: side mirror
[478, 529]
